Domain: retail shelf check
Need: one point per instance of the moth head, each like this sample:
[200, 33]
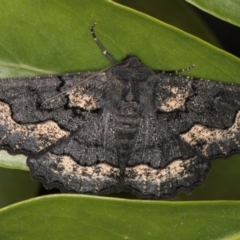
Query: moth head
[130, 84]
[130, 70]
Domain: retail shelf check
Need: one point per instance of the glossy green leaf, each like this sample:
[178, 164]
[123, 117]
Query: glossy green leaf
[53, 37]
[50, 37]
[41, 37]
[84, 217]
[226, 10]
[10, 161]
[38, 37]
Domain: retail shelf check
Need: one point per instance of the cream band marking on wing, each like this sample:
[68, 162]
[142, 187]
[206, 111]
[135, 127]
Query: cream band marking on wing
[176, 101]
[96, 177]
[78, 98]
[85, 98]
[202, 136]
[44, 133]
[143, 175]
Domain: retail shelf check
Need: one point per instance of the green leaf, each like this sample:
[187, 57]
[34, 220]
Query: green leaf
[14, 162]
[42, 37]
[84, 217]
[53, 36]
[225, 10]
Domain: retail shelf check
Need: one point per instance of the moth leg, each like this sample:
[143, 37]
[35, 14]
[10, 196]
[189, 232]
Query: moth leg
[178, 70]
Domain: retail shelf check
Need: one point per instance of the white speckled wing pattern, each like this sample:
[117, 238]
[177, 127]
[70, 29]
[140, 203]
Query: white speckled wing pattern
[203, 138]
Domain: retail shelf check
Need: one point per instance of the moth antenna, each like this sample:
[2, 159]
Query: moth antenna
[104, 51]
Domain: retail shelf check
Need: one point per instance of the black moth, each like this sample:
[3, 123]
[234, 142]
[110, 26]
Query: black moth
[126, 128]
